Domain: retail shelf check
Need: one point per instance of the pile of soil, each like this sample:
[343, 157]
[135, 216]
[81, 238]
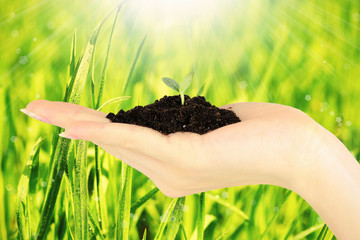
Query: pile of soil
[167, 115]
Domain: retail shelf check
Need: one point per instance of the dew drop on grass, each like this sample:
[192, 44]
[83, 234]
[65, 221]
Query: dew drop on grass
[162, 218]
[13, 139]
[9, 187]
[23, 60]
[307, 97]
[18, 51]
[225, 195]
[184, 208]
[332, 113]
[243, 85]
[348, 123]
[35, 39]
[53, 180]
[338, 119]
[96, 198]
[276, 209]
[44, 184]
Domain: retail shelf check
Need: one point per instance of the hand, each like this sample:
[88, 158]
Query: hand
[268, 146]
[274, 144]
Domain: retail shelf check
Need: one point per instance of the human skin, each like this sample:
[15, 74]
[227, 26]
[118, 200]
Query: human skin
[273, 144]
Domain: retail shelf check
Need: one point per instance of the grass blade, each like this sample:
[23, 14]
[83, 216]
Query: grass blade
[124, 203]
[201, 217]
[103, 77]
[229, 206]
[286, 197]
[100, 203]
[61, 152]
[175, 219]
[113, 100]
[164, 219]
[80, 198]
[207, 220]
[144, 235]
[94, 228]
[142, 200]
[22, 201]
[306, 232]
[134, 64]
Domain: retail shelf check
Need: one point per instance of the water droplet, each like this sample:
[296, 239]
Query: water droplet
[307, 97]
[23, 60]
[37, 96]
[44, 184]
[243, 85]
[225, 195]
[184, 126]
[338, 119]
[332, 113]
[53, 180]
[9, 187]
[18, 50]
[13, 139]
[276, 209]
[348, 123]
[35, 39]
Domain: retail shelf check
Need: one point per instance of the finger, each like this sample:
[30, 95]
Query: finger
[61, 113]
[136, 138]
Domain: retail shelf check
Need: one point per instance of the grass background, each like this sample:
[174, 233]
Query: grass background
[300, 53]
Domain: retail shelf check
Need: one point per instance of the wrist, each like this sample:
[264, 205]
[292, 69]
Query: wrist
[330, 183]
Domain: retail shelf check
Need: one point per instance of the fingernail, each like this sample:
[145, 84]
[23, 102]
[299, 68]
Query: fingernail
[33, 115]
[69, 136]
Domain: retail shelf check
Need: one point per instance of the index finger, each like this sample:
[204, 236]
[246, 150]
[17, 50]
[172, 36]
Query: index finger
[62, 114]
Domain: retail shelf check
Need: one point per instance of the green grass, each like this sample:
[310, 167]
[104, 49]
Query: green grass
[299, 53]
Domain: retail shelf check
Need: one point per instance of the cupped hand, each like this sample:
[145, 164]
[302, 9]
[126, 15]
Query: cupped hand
[270, 145]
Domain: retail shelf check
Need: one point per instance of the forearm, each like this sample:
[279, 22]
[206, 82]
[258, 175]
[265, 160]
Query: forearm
[331, 185]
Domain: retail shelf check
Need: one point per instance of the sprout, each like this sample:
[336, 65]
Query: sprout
[180, 88]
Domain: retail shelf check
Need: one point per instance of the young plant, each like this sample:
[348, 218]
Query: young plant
[180, 88]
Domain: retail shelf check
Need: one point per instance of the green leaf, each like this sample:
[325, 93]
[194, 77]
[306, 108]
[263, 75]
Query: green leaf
[80, 193]
[22, 202]
[185, 83]
[175, 219]
[228, 205]
[171, 83]
[306, 232]
[201, 217]
[134, 64]
[113, 100]
[124, 203]
[164, 220]
[172, 218]
[142, 200]
[61, 151]
[144, 235]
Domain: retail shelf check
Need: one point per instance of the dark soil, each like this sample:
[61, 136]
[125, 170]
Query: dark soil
[167, 115]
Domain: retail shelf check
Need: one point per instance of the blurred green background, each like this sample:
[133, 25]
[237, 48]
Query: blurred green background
[305, 54]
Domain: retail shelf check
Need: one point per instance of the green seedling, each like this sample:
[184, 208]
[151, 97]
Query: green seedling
[180, 88]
